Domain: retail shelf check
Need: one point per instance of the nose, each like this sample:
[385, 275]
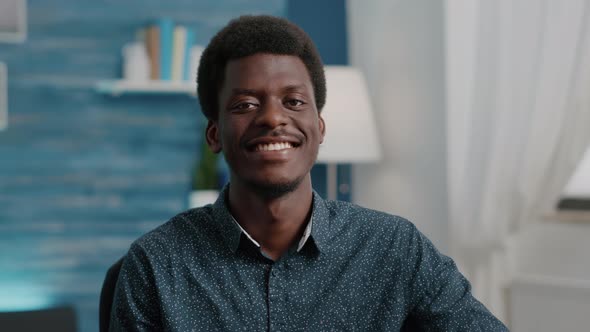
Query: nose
[271, 114]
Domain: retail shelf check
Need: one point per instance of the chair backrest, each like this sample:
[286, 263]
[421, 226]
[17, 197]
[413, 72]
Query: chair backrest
[107, 294]
[51, 319]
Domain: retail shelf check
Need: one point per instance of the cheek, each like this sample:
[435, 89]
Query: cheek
[230, 136]
[315, 129]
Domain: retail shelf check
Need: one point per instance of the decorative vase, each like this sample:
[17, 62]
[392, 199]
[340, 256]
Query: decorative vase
[198, 198]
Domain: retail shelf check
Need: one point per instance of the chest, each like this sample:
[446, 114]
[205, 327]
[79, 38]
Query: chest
[299, 293]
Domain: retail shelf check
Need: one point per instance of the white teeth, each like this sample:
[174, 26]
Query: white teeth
[274, 146]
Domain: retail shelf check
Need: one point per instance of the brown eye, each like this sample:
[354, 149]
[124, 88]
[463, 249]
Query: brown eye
[245, 106]
[294, 103]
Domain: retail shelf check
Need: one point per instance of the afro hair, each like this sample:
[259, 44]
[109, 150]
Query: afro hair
[249, 35]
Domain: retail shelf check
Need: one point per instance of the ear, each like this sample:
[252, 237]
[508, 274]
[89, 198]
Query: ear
[212, 136]
[322, 128]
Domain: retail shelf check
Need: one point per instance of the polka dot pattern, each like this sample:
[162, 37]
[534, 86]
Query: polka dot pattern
[358, 270]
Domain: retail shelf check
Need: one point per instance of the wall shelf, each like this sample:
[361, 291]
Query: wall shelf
[119, 87]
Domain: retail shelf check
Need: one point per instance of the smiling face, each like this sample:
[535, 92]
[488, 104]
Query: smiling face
[268, 126]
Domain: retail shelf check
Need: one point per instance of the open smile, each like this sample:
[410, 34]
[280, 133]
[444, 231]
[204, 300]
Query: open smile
[275, 149]
[273, 146]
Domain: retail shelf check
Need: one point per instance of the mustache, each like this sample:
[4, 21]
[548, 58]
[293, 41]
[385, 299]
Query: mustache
[277, 132]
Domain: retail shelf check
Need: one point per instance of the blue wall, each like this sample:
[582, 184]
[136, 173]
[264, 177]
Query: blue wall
[82, 175]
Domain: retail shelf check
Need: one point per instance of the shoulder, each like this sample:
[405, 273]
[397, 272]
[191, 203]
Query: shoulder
[361, 223]
[182, 229]
[348, 214]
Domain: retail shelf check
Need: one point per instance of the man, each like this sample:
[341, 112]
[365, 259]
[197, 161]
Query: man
[271, 254]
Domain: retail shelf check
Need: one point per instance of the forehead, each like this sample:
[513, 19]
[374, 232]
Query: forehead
[262, 68]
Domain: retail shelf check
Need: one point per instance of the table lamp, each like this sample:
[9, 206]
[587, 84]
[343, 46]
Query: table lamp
[351, 134]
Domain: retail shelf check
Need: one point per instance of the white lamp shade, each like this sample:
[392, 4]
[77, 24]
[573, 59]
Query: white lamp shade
[351, 134]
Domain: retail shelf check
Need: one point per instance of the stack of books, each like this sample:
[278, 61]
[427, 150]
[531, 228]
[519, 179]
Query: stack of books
[169, 48]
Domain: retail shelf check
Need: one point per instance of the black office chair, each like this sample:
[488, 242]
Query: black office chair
[107, 294]
[61, 319]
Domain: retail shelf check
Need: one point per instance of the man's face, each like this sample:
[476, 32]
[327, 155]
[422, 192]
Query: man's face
[268, 126]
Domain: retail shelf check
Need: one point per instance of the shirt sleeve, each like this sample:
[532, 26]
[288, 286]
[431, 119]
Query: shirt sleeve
[441, 295]
[135, 306]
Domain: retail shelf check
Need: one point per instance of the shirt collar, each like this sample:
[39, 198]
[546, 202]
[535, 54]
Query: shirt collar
[231, 231]
[320, 232]
[300, 245]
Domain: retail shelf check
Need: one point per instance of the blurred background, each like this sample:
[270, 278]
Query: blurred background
[480, 111]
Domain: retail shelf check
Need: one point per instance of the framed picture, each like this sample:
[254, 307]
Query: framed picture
[3, 96]
[13, 21]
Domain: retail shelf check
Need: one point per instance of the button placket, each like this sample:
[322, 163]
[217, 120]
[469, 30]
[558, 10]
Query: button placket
[275, 298]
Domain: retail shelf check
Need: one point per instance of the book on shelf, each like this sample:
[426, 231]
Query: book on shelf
[170, 50]
[178, 52]
[190, 40]
[152, 43]
[166, 48]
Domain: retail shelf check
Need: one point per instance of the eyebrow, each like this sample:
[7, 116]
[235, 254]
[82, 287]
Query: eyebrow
[252, 92]
[240, 91]
[294, 87]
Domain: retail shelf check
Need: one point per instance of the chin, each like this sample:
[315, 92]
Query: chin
[274, 189]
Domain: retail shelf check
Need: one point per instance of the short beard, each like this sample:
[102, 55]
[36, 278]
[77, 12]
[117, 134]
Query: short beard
[275, 190]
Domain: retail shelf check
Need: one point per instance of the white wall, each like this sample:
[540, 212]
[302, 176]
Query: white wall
[399, 47]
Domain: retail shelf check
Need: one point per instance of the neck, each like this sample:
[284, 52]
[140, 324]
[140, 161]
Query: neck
[276, 222]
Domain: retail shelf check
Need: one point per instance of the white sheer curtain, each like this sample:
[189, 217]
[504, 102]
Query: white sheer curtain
[518, 110]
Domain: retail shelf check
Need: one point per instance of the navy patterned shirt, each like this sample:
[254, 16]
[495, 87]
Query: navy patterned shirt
[358, 270]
